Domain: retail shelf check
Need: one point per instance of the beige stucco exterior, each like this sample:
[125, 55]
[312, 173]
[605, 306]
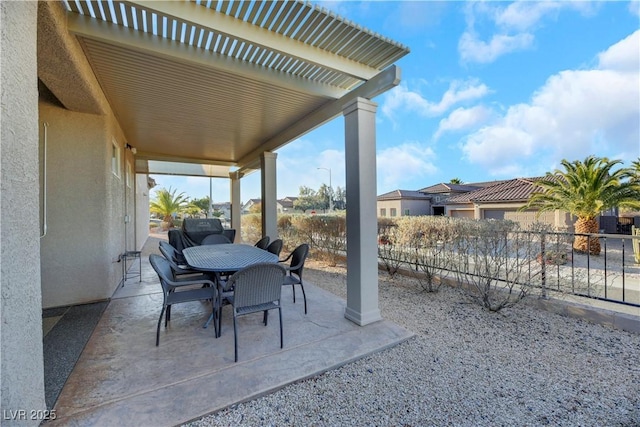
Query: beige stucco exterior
[415, 207]
[66, 216]
[21, 369]
[89, 204]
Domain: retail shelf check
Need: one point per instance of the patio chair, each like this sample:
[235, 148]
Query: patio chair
[229, 233]
[215, 239]
[179, 268]
[294, 270]
[262, 243]
[256, 288]
[275, 247]
[173, 292]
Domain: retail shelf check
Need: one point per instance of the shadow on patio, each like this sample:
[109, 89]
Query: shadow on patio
[123, 378]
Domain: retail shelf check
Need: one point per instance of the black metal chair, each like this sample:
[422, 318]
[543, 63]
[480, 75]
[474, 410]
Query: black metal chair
[275, 247]
[177, 291]
[179, 269]
[262, 243]
[256, 288]
[294, 270]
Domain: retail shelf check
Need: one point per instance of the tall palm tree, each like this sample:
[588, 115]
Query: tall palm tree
[585, 189]
[635, 167]
[455, 181]
[167, 203]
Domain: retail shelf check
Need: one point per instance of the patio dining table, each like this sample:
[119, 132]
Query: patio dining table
[225, 258]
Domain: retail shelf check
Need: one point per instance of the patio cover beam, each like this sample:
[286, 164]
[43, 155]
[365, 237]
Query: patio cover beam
[157, 46]
[382, 82]
[203, 17]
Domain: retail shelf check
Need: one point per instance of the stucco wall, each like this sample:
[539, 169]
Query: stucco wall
[85, 208]
[416, 207]
[142, 210]
[21, 327]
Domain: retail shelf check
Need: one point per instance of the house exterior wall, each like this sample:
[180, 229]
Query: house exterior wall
[384, 208]
[21, 369]
[85, 208]
[86, 203]
[142, 210]
[415, 207]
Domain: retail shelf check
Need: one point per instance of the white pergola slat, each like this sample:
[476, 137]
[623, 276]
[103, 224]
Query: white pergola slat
[222, 81]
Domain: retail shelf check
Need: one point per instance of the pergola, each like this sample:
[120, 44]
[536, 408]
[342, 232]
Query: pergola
[212, 88]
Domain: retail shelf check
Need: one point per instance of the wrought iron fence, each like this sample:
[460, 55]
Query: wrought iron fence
[545, 261]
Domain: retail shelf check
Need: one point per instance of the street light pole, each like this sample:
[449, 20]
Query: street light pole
[330, 190]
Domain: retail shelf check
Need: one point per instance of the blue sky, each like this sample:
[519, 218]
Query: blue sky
[490, 90]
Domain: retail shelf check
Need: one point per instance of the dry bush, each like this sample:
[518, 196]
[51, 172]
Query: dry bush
[390, 249]
[492, 259]
[430, 240]
[251, 226]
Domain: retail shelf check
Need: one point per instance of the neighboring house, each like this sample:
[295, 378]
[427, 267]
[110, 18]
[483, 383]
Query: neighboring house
[440, 193]
[503, 201]
[246, 208]
[479, 200]
[283, 205]
[403, 203]
[224, 208]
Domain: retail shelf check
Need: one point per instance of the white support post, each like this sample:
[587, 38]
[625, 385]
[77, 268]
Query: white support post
[236, 206]
[269, 195]
[362, 249]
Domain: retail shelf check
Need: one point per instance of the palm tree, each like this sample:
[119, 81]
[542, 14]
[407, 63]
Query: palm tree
[167, 203]
[635, 167]
[585, 189]
[455, 181]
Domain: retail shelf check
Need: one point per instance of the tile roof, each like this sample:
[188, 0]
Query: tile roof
[403, 194]
[449, 188]
[513, 190]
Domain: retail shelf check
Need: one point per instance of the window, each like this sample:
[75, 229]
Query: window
[392, 212]
[383, 212]
[407, 212]
[115, 158]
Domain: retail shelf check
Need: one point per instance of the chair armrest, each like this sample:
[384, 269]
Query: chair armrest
[287, 258]
[179, 283]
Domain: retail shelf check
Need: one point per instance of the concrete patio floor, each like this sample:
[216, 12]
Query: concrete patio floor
[122, 378]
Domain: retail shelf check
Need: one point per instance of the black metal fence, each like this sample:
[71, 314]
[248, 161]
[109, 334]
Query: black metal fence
[544, 261]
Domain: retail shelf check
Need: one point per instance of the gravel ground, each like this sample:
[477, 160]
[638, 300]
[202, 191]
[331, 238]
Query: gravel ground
[465, 367]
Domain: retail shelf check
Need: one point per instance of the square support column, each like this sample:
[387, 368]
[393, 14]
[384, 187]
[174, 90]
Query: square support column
[269, 195]
[362, 224]
[236, 204]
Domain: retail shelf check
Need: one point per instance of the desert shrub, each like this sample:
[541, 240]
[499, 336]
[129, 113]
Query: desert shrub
[390, 246]
[430, 240]
[325, 234]
[492, 259]
[251, 226]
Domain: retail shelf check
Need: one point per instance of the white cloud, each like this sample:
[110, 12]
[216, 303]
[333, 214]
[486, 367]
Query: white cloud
[515, 26]
[623, 56]
[525, 15]
[575, 113]
[472, 49]
[634, 7]
[403, 164]
[464, 119]
[401, 98]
